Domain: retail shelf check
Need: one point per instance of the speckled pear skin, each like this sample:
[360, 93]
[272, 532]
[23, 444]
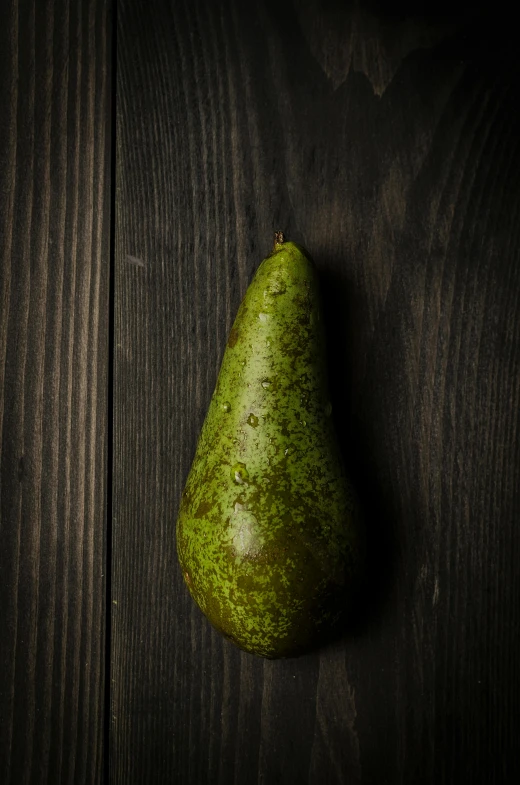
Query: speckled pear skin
[268, 532]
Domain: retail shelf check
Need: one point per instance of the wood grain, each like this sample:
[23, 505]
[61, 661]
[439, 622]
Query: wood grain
[54, 279]
[389, 147]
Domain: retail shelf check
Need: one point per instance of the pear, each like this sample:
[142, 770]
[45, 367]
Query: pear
[268, 532]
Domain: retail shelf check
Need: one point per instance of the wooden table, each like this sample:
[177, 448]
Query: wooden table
[144, 163]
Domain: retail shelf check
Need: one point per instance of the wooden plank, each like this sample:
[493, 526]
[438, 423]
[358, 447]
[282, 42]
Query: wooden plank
[388, 147]
[54, 280]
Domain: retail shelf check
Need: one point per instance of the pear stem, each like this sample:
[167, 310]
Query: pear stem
[278, 239]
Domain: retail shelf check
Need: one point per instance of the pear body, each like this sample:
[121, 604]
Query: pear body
[268, 532]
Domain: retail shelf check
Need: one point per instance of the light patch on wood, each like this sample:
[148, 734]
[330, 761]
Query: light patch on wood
[360, 41]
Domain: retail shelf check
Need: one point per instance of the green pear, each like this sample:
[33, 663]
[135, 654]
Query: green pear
[268, 533]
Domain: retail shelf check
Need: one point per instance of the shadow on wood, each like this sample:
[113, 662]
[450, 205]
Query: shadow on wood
[377, 510]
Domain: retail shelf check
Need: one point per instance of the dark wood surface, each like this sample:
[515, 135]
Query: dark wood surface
[389, 148]
[386, 143]
[54, 277]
